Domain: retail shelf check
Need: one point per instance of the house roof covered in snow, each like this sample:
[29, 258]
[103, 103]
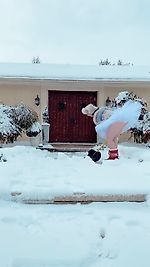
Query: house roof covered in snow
[74, 72]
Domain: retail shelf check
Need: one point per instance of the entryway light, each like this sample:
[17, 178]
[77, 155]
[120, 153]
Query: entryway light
[37, 101]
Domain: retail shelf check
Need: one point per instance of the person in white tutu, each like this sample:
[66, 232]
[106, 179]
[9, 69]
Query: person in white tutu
[111, 122]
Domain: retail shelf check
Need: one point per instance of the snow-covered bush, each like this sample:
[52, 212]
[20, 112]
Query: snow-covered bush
[9, 131]
[141, 131]
[16, 120]
[24, 116]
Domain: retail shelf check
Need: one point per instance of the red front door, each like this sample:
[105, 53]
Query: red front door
[67, 123]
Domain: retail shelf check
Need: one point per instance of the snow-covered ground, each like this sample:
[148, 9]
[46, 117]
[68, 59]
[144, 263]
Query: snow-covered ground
[94, 235]
[43, 174]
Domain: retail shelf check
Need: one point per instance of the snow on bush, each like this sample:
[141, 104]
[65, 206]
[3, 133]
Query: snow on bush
[24, 116]
[9, 131]
[16, 120]
[141, 131]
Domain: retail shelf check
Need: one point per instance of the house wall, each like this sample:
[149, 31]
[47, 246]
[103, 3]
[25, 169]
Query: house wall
[15, 91]
[141, 89]
[103, 89]
[71, 86]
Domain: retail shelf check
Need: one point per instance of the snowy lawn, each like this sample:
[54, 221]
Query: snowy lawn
[94, 235]
[43, 174]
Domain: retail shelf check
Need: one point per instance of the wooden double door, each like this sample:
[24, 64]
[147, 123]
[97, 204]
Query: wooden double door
[67, 123]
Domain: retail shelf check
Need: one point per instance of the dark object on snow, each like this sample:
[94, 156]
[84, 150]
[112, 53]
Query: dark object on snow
[2, 158]
[94, 155]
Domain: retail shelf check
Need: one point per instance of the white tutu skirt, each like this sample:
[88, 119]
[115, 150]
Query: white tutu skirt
[128, 114]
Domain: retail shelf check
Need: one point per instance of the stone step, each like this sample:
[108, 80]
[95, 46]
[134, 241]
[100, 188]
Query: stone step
[66, 147]
[81, 198]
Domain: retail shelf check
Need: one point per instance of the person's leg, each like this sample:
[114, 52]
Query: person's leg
[116, 141]
[113, 134]
[112, 138]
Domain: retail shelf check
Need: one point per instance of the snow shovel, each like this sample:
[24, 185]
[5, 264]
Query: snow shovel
[95, 155]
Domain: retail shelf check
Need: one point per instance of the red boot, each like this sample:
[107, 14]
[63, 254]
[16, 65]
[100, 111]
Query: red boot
[113, 154]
